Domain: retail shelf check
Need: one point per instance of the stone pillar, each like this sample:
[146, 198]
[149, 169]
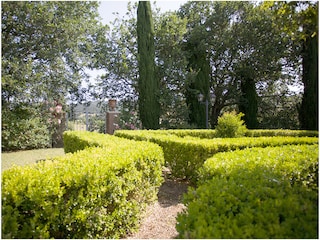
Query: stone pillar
[111, 117]
[57, 136]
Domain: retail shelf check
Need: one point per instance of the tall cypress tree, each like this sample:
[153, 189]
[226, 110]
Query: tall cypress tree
[148, 83]
[248, 103]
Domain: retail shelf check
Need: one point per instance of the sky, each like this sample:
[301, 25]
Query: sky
[106, 9]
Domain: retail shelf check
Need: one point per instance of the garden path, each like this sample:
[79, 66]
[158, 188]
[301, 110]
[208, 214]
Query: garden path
[160, 218]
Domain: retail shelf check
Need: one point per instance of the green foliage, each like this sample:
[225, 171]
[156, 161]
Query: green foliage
[308, 177]
[41, 58]
[251, 194]
[281, 132]
[230, 125]
[128, 119]
[308, 112]
[78, 140]
[248, 103]
[199, 133]
[148, 82]
[97, 124]
[96, 193]
[45, 48]
[208, 133]
[299, 23]
[184, 156]
[23, 129]
[170, 65]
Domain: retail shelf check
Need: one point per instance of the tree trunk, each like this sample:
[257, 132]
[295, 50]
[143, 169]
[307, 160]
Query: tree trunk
[215, 112]
[308, 114]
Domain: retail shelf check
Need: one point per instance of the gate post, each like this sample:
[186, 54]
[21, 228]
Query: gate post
[111, 117]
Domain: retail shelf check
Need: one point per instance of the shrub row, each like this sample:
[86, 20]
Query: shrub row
[184, 156]
[74, 141]
[255, 193]
[210, 133]
[95, 193]
[281, 132]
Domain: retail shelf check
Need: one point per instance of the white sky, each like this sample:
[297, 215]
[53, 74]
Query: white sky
[108, 7]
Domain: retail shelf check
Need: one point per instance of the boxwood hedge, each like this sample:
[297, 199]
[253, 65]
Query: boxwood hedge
[95, 193]
[184, 156]
[255, 193]
[211, 133]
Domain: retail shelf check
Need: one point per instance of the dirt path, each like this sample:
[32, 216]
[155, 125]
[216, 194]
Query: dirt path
[160, 218]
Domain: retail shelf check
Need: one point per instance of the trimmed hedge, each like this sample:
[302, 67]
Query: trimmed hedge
[74, 141]
[96, 193]
[210, 133]
[254, 193]
[184, 156]
[281, 132]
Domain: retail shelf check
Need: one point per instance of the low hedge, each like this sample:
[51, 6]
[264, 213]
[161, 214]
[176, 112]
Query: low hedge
[211, 133]
[280, 132]
[184, 156]
[74, 141]
[95, 193]
[254, 193]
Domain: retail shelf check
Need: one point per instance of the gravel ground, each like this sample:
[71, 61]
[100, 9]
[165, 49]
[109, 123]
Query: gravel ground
[160, 217]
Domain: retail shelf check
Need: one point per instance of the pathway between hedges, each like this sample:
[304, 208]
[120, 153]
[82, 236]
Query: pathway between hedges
[160, 217]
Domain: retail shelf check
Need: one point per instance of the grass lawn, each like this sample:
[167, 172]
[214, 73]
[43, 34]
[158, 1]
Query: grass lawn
[22, 158]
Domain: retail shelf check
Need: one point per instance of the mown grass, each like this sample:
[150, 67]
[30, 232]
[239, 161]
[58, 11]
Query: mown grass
[22, 158]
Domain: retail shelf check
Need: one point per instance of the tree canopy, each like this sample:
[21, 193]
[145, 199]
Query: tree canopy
[46, 47]
[234, 53]
[259, 58]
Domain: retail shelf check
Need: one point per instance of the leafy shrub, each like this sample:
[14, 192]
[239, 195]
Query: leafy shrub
[25, 134]
[251, 194]
[222, 208]
[230, 125]
[308, 177]
[95, 193]
[184, 156]
[284, 161]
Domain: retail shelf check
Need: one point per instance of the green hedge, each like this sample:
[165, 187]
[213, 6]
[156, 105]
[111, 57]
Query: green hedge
[210, 133]
[281, 132]
[254, 193]
[96, 193]
[74, 141]
[184, 156]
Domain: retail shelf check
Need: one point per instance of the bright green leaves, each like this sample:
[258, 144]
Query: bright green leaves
[95, 193]
[45, 48]
[40, 45]
[230, 125]
[185, 155]
[250, 194]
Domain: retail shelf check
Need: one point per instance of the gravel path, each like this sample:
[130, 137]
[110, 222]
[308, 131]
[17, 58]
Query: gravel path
[160, 217]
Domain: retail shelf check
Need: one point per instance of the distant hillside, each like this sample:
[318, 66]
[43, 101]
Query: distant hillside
[92, 108]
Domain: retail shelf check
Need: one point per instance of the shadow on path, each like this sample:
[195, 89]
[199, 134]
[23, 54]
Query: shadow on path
[171, 192]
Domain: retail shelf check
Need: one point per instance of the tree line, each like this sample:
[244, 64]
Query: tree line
[258, 58]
